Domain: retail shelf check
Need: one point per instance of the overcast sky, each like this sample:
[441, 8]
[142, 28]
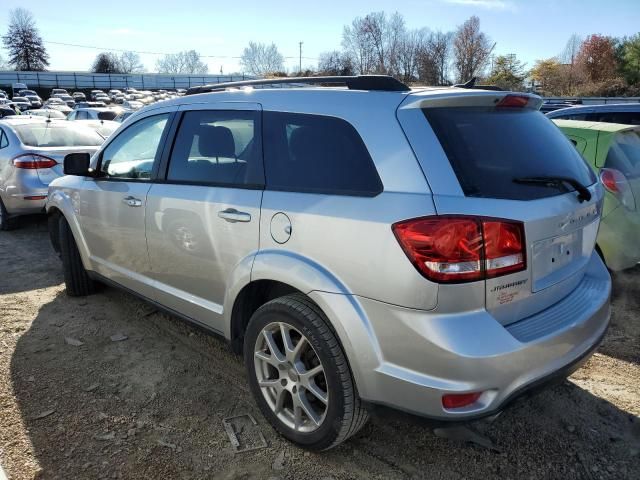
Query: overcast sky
[220, 30]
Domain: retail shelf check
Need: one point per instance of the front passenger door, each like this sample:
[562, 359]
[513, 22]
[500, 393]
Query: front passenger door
[113, 204]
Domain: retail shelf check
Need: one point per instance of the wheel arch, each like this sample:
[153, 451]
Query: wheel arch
[60, 205]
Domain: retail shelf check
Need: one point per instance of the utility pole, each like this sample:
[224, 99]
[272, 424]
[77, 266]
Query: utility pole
[300, 64]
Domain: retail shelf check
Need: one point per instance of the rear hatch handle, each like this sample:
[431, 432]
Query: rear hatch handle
[557, 182]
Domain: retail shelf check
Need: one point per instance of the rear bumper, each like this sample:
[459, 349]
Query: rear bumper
[416, 356]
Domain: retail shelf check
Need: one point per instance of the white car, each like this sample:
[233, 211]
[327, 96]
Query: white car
[93, 114]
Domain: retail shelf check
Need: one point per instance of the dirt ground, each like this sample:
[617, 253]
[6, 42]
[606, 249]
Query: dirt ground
[74, 403]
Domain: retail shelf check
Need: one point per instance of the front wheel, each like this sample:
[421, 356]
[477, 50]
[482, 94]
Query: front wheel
[299, 374]
[76, 277]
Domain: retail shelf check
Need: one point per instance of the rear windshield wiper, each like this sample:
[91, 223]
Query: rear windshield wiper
[583, 192]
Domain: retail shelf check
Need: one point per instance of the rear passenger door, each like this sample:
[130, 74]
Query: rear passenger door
[203, 213]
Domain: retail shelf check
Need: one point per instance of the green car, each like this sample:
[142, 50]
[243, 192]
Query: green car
[613, 151]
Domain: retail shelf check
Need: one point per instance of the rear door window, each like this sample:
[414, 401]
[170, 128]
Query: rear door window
[317, 154]
[626, 118]
[489, 148]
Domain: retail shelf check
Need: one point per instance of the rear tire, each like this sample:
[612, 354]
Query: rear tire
[330, 394]
[6, 222]
[76, 278]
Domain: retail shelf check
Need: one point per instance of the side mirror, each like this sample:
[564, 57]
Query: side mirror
[77, 164]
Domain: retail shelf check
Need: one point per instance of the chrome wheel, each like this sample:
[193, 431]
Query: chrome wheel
[291, 377]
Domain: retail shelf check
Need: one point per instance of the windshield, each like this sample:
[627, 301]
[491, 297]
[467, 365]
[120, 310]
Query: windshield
[488, 148]
[58, 134]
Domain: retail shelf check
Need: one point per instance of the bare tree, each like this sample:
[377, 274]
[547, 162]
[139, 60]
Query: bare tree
[412, 47]
[261, 59]
[187, 62]
[3, 64]
[471, 49]
[335, 63]
[357, 45]
[23, 41]
[130, 63]
[106, 62]
[571, 49]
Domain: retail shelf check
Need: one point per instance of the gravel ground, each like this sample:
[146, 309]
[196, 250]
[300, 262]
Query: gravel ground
[106, 387]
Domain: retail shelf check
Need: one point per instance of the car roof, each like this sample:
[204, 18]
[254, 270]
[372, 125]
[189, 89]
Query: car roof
[95, 109]
[607, 107]
[598, 126]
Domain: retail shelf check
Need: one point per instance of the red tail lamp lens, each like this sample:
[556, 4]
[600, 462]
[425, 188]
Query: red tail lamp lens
[460, 400]
[454, 249]
[32, 161]
[513, 101]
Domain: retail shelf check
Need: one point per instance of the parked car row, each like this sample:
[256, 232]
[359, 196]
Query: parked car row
[438, 251]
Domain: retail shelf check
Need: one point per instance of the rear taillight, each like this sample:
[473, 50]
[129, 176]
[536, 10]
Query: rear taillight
[454, 249]
[32, 161]
[616, 183]
[513, 101]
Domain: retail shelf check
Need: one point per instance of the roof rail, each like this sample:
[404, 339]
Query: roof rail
[358, 82]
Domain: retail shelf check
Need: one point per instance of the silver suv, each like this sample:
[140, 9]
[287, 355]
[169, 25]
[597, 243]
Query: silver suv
[430, 250]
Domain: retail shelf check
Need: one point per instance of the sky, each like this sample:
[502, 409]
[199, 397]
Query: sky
[219, 31]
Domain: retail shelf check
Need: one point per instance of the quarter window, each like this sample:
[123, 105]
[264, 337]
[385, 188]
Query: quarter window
[4, 141]
[132, 153]
[218, 148]
[317, 154]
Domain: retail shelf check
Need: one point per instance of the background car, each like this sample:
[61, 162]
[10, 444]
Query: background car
[625, 113]
[93, 114]
[90, 104]
[122, 116]
[6, 111]
[103, 127]
[58, 91]
[22, 103]
[79, 96]
[33, 97]
[613, 151]
[93, 94]
[132, 104]
[47, 113]
[31, 156]
[68, 99]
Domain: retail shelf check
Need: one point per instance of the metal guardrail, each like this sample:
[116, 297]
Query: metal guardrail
[82, 80]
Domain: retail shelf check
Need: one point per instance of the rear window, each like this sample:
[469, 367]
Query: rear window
[624, 154]
[107, 115]
[57, 134]
[317, 154]
[488, 148]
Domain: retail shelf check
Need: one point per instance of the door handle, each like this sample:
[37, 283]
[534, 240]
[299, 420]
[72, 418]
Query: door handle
[232, 215]
[132, 201]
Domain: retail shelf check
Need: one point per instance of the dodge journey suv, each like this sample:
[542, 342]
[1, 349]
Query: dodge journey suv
[359, 244]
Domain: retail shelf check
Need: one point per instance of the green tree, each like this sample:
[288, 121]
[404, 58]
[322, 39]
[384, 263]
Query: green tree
[507, 72]
[629, 58]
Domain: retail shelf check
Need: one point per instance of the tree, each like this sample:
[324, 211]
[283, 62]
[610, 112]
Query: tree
[507, 73]
[434, 58]
[261, 59]
[571, 49]
[335, 63]
[23, 42]
[471, 49]
[629, 59]
[130, 63]
[187, 62]
[597, 59]
[550, 77]
[106, 62]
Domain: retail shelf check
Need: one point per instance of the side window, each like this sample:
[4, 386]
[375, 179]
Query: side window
[4, 141]
[132, 153]
[317, 154]
[575, 116]
[218, 147]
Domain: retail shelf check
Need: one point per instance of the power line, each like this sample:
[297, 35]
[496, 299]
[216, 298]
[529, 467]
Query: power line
[143, 52]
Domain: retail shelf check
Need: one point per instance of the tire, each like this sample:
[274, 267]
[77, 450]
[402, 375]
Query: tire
[340, 415]
[76, 278]
[6, 223]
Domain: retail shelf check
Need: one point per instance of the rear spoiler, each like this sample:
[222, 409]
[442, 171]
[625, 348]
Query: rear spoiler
[471, 98]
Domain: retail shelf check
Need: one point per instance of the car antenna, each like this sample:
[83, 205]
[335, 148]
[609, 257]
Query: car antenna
[468, 84]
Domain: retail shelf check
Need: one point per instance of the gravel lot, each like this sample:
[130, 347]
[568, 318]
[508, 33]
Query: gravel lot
[74, 403]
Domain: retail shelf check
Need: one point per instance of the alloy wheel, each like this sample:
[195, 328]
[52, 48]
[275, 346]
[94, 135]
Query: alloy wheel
[291, 377]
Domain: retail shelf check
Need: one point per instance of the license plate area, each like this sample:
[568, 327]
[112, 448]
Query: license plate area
[556, 258]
